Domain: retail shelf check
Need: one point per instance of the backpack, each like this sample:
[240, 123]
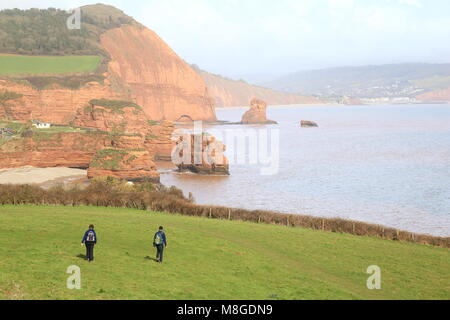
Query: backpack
[159, 239]
[90, 236]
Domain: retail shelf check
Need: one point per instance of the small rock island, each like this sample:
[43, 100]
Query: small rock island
[308, 124]
[257, 113]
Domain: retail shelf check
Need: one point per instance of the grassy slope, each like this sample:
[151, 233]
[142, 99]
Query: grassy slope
[206, 259]
[21, 65]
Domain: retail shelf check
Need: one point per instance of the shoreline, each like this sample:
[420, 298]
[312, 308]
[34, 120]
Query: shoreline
[312, 222]
[40, 176]
[338, 105]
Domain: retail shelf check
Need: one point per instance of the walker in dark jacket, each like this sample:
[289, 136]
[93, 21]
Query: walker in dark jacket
[89, 240]
[160, 242]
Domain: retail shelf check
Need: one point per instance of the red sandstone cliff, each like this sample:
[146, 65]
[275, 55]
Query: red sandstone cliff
[229, 93]
[118, 163]
[72, 150]
[143, 73]
[435, 96]
[143, 69]
[163, 84]
[56, 105]
[120, 157]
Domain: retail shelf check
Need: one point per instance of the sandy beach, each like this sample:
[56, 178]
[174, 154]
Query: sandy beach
[38, 175]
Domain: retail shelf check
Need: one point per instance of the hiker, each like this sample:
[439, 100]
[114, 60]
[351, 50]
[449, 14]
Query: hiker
[89, 240]
[160, 242]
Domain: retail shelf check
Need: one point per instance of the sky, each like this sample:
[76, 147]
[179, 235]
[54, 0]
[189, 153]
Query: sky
[246, 38]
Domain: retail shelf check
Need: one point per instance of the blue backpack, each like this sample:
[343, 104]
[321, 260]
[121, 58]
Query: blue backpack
[159, 239]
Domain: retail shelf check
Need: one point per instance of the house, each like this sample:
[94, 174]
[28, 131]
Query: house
[41, 125]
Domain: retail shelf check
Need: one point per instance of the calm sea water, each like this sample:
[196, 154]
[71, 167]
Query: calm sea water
[380, 164]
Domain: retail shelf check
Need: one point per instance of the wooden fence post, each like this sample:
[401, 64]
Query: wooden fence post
[259, 219]
[229, 214]
[210, 212]
[354, 228]
[323, 224]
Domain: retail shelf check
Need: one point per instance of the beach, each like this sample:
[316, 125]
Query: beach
[33, 175]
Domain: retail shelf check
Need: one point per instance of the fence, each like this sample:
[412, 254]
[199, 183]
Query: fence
[172, 201]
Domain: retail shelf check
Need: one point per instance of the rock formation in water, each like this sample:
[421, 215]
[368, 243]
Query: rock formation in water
[257, 113]
[202, 154]
[308, 124]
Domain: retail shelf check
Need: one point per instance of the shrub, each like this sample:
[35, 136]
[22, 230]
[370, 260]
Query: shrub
[114, 105]
[9, 95]
[109, 192]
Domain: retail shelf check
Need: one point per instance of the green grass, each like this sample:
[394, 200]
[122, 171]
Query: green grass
[22, 65]
[57, 129]
[14, 125]
[433, 83]
[206, 259]
[115, 105]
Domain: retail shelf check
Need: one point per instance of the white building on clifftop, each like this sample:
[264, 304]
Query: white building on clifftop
[41, 125]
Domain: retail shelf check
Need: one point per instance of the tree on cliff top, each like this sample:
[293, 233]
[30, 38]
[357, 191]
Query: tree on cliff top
[44, 32]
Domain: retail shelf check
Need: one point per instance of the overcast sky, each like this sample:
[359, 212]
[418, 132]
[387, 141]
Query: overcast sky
[240, 37]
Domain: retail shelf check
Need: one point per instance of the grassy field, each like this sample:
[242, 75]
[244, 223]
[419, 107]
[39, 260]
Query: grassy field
[22, 65]
[206, 259]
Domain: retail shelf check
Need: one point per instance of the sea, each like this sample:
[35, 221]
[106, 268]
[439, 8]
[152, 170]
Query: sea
[383, 164]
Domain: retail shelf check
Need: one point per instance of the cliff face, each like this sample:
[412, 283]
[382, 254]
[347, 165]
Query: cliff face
[117, 163]
[56, 105]
[124, 120]
[141, 85]
[134, 129]
[143, 69]
[71, 150]
[228, 93]
[163, 84]
[435, 96]
[122, 157]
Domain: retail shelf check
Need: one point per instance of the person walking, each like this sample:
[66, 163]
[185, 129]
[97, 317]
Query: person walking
[160, 243]
[89, 240]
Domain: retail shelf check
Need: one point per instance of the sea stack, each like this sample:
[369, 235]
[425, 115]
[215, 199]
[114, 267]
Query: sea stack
[257, 113]
[308, 124]
[206, 155]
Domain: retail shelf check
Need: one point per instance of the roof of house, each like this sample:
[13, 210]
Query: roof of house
[39, 122]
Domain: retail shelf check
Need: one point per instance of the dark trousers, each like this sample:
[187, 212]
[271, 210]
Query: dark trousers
[159, 252]
[90, 250]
